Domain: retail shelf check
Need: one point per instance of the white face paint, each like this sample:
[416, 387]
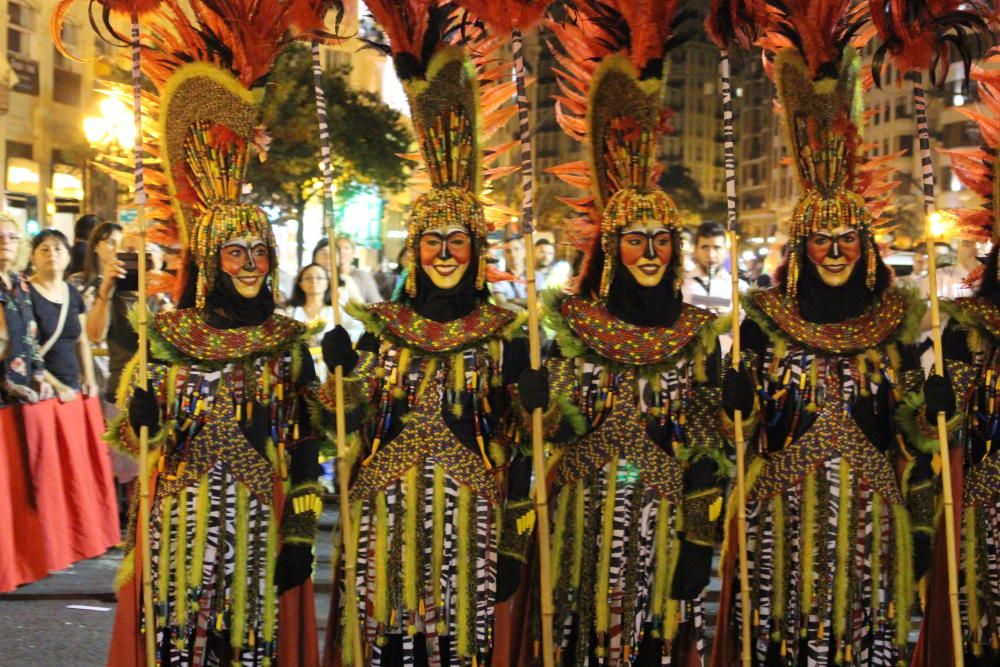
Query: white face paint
[247, 261]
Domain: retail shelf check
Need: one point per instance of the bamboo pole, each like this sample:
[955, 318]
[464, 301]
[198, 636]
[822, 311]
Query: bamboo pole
[933, 219]
[343, 470]
[149, 619]
[933, 222]
[534, 347]
[729, 153]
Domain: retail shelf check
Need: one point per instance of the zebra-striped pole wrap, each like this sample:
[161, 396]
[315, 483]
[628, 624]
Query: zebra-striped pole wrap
[140, 188]
[924, 141]
[324, 129]
[524, 129]
[728, 141]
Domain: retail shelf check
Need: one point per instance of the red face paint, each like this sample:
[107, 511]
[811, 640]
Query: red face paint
[238, 257]
[632, 246]
[434, 243]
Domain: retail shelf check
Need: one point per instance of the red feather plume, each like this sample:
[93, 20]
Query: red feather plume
[918, 35]
[737, 23]
[818, 29]
[506, 17]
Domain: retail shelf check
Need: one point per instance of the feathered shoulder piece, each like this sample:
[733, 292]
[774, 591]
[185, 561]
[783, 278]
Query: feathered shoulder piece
[919, 35]
[976, 167]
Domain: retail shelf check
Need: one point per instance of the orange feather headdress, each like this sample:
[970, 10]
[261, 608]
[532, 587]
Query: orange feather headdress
[204, 59]
[976, 167]
[610, 75]
[919, 35]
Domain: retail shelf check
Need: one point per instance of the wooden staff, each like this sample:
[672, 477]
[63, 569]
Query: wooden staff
[149, 620]
[729, 162]
[343, 470]
[933, 225]
[534, 347]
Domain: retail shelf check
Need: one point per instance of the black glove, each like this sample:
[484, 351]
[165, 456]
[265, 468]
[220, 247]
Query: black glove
[863, 412]
[508, 576]
[143, 410]
[294, 566]
[533, 387]
[694, 565]
[939, 397]
[305, 465]
[738, 393]
[256, 429]
[338, 350]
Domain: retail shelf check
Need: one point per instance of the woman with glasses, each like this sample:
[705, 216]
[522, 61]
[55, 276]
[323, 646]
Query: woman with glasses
[22, 379]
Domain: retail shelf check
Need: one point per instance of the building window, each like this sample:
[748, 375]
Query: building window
[66, 82]
[906, 143]
[21, 20]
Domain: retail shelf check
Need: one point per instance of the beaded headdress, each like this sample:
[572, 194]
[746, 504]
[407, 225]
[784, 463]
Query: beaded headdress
[615, 50]
[205, 61]
[816, 73]
[442, 89]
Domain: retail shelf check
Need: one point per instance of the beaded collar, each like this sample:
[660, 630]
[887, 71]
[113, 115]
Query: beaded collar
[854, 335]
[627, 343]
[405, 325]
[974, 311]
[191, 336]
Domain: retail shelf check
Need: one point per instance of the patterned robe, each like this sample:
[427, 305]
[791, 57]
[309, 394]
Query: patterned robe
[828, 532]
[428, 491]
[972, 355]
[641, 404]
[217, 497]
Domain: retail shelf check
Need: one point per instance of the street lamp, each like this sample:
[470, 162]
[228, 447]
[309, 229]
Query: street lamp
[115, 126]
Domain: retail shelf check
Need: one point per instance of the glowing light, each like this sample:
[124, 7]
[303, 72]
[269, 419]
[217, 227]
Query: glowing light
[937, 224]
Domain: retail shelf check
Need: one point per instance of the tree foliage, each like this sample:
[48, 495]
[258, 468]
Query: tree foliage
[366, 137]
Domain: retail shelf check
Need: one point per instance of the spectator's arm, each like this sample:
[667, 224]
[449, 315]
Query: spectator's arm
[99, 317]
[4, 336]
[86, 358]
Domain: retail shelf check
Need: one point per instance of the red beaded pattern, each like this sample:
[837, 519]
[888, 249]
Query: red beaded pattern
[627, 343]
[415, 331]
[853, 335]
[186, 331]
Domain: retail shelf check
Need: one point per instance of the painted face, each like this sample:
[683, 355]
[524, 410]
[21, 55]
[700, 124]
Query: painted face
[445, 254]
[834, 252]
[248, 261]
[645, 250]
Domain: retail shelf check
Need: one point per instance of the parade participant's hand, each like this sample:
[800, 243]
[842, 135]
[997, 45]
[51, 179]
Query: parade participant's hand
[88, 389]
[294, 566]
[694, 565]
[338, 350]
[737, 393]
[939, 397]
[533, 388]
[65, 393]
[863, 412]
[508, 576]
[143, 410]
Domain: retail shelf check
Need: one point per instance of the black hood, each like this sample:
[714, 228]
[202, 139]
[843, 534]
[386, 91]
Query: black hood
[445, 305]
[630, 302]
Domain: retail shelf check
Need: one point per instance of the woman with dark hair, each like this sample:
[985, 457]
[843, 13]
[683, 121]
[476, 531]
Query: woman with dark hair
[60, 315]
[23, 371]
[100, 257]
[82, 230]
[310, 303]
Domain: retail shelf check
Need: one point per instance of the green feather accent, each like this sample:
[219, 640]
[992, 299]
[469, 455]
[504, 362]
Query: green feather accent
[381, 558]
[237, 628]
[126, 570]
[437, 546]
[463, 639]
[725, 469]
[163, 580]
[844, 542]
[903, 571]
[602, 614]
[412, 503]
[808, 547]
[910, 415]
[180, 563]
[876, 560]
[780, 589]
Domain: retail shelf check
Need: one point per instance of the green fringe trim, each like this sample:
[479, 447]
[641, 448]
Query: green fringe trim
[912, 421]
[969, 550]
[780, 589]
[579, 512]
[163, 578]
[844, 541]
[463, 632]
[697, 350]
[270, 595]
[753, 472]
[978, 335]
[725, 468]
[906, 333]
[661, 544]
[903, 572]
[411, 555]
[237, 627]
[347, 629]
[200, 529]
[180, 563]
[602, 613]
[437, 546]
[126, 570]
[671, 615]
[808, 549]
[381, 558]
